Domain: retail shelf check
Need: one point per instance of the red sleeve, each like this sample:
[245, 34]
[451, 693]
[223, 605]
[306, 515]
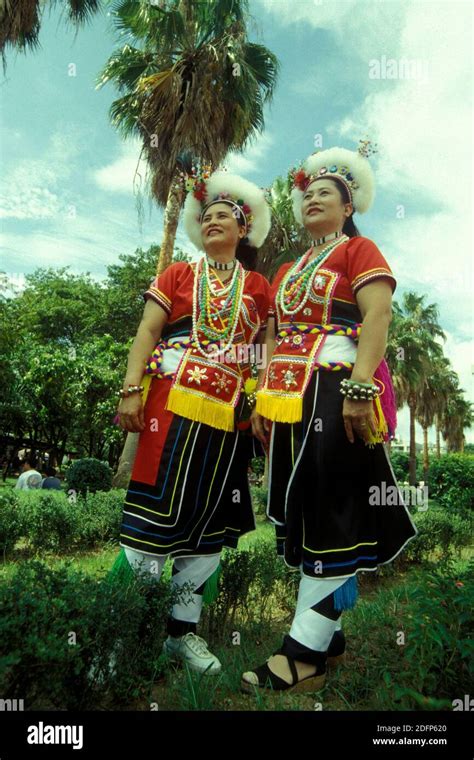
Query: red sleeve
[275, 285]
[163, 286]
[365, 264]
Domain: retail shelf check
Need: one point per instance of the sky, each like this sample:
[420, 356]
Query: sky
[398, 72]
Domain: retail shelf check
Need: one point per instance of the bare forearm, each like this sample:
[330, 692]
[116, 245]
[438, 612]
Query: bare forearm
[372, 345]
[139, 353]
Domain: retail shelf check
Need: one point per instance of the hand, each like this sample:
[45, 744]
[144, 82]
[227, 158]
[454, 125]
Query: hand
[260, 427]
[131, 411]
[358, 418]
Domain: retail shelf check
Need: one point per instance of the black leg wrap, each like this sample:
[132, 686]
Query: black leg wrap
[326, 607]
[179, 627]
[337, 645]
[298, 651]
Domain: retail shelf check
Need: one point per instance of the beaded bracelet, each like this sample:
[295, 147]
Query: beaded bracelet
[359, 391]
[131, 389]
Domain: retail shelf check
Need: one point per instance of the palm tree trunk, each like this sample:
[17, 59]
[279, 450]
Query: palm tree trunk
[127, 458]
[412, 459]
[426, 457]
[438, 438]
[171, 218]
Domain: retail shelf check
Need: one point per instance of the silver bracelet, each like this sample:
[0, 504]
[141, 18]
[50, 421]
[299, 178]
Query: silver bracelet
[358, 391]
[131, 389]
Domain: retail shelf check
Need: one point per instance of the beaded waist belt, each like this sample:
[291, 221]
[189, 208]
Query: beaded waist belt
[154, 363]
[301, 328]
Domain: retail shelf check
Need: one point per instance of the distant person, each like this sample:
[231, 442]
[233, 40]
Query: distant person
[51, 481]
[30, 478]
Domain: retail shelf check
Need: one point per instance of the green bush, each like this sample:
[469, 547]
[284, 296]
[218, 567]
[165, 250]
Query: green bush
[439, 650]
[52, 521]
[68, 641]
[49, 521]
[451, 481]
[439, 531]
[400, 462]
[89, 475]
[10, 522]
[100, 518]
[252, 582]
[432, 663]
[259, 499]
[258, 465]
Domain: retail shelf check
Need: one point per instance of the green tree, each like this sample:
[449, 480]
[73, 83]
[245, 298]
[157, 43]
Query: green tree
[412, 348]
[286, 240]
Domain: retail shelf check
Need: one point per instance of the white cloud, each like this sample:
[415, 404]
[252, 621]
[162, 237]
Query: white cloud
[119, 176]
[363, 28]
[32, 188]
[423, 132]
[250, 160]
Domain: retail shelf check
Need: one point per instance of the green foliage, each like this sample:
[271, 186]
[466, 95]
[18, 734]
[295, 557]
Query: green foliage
[259, 499]
[49, 521]
[438, 531]
[439, 651]
[250, 580]
[400, 462]
[62, 392]
[258, 465]
[10, 522]
[89, 475]
[52, 521]
[68, 641]
[451, 481]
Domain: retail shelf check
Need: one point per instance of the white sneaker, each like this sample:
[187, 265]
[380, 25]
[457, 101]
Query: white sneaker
[192, 650]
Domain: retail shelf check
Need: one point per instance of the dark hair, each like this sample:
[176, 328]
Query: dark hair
[245, 253]
[31, 460]
[50, 472]
[349, 227]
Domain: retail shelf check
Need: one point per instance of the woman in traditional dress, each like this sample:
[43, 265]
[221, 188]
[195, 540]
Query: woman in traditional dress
[188, 495]
[325, 406]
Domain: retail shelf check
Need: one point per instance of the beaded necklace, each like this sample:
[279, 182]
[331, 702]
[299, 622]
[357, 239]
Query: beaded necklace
[202, 291]
[297, 283]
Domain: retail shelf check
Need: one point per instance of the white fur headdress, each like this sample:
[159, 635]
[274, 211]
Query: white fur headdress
[350, 167]
[222, 186]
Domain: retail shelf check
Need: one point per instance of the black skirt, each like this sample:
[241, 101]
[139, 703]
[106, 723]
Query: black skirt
[189, 493]
[323, 491]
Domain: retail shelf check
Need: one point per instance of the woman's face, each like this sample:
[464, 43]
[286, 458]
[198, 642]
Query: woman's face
[322, 207]
[220, 229]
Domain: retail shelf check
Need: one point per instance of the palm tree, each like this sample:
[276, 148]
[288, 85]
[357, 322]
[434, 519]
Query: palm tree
[432, 398]
[286, 239]
[20, 20]
[411, 348]
[458, 415]
[190, 82]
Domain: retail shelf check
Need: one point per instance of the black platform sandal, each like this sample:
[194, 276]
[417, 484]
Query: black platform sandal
[269, 680]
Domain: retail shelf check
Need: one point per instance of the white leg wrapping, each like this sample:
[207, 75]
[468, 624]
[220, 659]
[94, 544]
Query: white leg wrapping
[195, 570]
[145, 562]
[311, 629]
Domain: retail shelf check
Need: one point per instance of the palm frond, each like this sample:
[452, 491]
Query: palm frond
[125, 68]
